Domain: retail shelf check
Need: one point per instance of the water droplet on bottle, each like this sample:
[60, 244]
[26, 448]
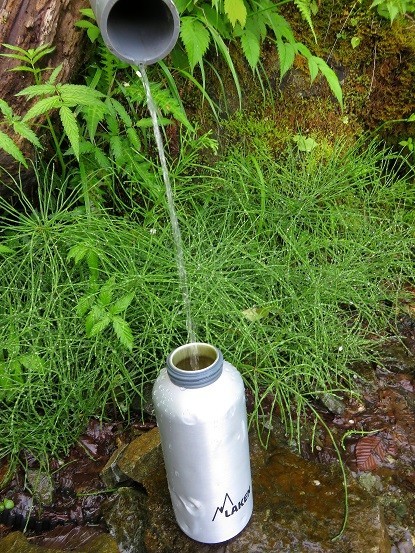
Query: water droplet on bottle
[188, 418]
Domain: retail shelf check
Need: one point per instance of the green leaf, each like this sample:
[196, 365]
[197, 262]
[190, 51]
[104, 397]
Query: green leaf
[304, 51]
[93, 33]
[123, 331]
[279, 25]
[355, 41]
[122, 304]
[223, 49]
[89, 323]
[106, 292]
[92, 260]
[99, 326]
[92, 30]
[286, 53]
[78, 252]
[101, 158]
[305, 144]
[331, 78]
[55, 73]
[83, 24]
[257, 24]
[236, 11]
[211, 16]
[251, 48]
[117, 148]
[393, 10]
[43, 106]
[254, 314]
[5, 249]
[5, 109]
[305, 10]
[84, 305]
[134, 139]
[181, 5]
[33, 362]
[313, 68]
[196, 39]
[93, 115]
[38, 90]
[7, 144]
[80, 95]
[13, 48]
[411, 118]
[24, 130]
[87, 12]
[121, 111]
[71, 128]
[16, 57]
[37, 54]
[23, 68]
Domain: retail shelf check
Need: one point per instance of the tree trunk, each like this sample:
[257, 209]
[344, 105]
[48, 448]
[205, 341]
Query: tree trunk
[29, 24]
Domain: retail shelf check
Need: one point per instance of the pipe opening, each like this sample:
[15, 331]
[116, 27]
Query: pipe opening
[141, 33]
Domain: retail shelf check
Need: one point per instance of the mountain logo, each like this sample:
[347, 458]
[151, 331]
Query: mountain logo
[229, 508]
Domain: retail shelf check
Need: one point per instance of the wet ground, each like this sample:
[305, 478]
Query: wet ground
[376, 435]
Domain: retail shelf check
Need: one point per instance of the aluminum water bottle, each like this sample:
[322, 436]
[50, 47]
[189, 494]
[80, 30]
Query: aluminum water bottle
[199, 400]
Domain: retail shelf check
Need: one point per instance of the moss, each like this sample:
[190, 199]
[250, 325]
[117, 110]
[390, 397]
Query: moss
[377, 77]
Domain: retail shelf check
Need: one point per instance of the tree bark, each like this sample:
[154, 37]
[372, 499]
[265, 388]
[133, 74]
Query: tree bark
[29, 24]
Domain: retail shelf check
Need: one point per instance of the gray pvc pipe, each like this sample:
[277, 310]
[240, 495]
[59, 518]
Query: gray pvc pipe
[138, 32]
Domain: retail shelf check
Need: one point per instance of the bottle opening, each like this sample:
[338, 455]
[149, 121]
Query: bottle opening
[194, 365]
[142, 33]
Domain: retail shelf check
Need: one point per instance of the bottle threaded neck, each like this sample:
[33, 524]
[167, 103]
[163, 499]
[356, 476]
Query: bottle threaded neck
[195, 365]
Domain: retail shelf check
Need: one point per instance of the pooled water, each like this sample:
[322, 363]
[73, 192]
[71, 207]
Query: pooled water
[177, 236]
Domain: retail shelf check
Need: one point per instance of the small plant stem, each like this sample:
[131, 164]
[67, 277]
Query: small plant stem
[85, 189]
[57, 146]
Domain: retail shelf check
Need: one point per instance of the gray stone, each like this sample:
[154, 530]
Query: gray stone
[333, 403]
[41, 485]
[397, 357]
[125, 515]
[16, 542]
[370, 482]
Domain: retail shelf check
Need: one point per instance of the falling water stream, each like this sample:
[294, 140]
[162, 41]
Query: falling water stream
[177, 236]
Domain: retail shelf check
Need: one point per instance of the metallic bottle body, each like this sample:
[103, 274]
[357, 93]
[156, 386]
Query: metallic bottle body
[205, 445]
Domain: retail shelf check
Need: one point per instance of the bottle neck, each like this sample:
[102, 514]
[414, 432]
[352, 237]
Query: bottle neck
[194, 365]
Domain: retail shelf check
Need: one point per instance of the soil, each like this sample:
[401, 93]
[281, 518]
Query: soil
[375, 434]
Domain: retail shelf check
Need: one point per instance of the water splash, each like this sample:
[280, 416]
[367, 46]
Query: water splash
[177, 236]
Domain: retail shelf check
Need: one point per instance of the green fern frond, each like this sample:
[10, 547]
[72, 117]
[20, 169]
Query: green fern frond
[305, 8]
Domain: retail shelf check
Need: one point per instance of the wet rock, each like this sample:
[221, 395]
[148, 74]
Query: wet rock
[370, 482]
[16, 542]
[126, 517]
[333, 403]
[298, 507]
[139, 459]
[111, 474]
[398, 357]
[41, 485]
[406, 545]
